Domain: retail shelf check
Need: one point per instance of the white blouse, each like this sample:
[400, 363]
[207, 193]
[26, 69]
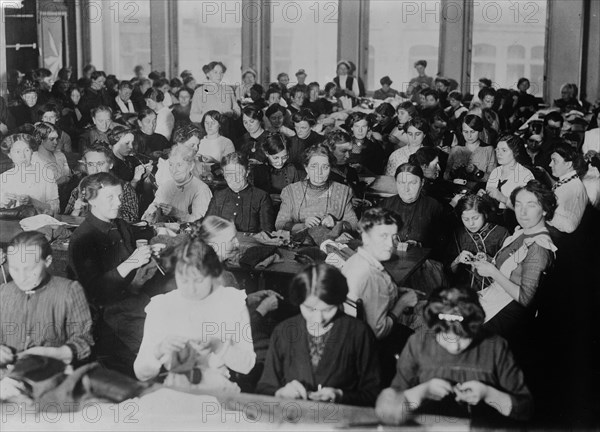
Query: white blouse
[398, 158]
[221, 318]
[33, 181]
[519, 177]
[60, 168]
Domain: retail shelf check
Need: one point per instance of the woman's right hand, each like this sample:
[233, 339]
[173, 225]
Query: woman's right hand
[465, 257]
[437, 389]
[139, 257]
[169, 345]
[292, 390]
[312, 221]
[6, 356]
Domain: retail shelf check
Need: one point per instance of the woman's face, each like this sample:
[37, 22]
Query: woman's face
[298, 98]
[452, 343]
[470, 134]
[216, 75]
[75, 97]
[211, 126]
[151, 104]
[380, 241]
[302, 129]
[454, 103]
[342, 70]
[504, 154]
[249, 79]
[284, 80]
[193, 143]
[528, 209]
[488, 101]
[225, 243]
[47, 83]
[415, 137]
[20, 153]
[30, 99]
[408, 186]
[313, 93]
[278, 160]
[432, 171]
[98, 83]
[148, 124]
[49, 117]
[360, 129]
[124, 147]
[251, 125]
[524, 86]
[559, 165]
[342, 153]
[318, 170]
[180, 169]
[236, 176]
[102, 120]
[105, 206]
[274, 98]
[192, 283]
[276, 120]
[184, 98]
[26, 266]
[51, 143]
[96, 162]
[317, 314]
[472, 220]
[403, 116]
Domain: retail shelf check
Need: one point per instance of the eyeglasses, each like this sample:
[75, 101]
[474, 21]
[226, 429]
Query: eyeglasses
[98, 164]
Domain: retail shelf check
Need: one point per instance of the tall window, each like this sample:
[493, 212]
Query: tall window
[508, 43]
[304, 36]
[211, 31]
[400, 33]
[134, 36]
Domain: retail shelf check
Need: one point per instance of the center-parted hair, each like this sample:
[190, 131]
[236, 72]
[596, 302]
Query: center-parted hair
[455, 310]
[91, 185]
[321, 280]
[410, 168]
[480, 204]
[320, 149]
[275, 143]
[545, 196]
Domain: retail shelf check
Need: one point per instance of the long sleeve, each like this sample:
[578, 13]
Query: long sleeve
[200, 204]
[538, 260]
[407, 367]
[285, 219]
[129, 210]
[267, 214]
[572, 200]
[490, 164]
[146, 365]
[348, 213]
[239, 355]
[197, 110]
[272, 376]
[78, 324]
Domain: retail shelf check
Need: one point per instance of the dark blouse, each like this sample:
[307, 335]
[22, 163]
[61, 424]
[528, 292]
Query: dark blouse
[422, 220]
[298, 145]
[181, 114]
[147, 144]
[253, 147]
[488, 361]
[250, 209]
[372, 157]
[23, 114]
[348, 361]
[96, 249]
[125, 169]
[273, 180]
[489, 240]
[348, 176]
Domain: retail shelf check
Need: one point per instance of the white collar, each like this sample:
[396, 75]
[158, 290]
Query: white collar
[567, 175]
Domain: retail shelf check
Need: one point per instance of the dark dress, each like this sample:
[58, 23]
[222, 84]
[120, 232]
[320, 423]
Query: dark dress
[23, 114]
[298, 145]
[147, 144]
[250, 209]
[273, 180]
[487, 360]
[347, 362]
[348, 176]
[253, 147]
[372, 156]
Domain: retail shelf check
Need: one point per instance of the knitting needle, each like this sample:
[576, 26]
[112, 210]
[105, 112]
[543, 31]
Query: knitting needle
[3, 273]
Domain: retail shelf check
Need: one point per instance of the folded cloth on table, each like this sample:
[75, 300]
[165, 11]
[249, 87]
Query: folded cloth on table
[337, 253]
[275, 258]
[36, 222]
[256, 254]
[276, 238]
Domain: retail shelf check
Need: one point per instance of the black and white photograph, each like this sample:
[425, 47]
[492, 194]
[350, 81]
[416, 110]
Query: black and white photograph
[299, 215]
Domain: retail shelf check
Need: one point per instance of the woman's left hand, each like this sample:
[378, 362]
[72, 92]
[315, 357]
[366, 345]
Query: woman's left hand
[23, 200]
[471, 392]
[497, 195]
[328, 222]
[326, 394]
[485, 269]
[312, 221]
[167, 209]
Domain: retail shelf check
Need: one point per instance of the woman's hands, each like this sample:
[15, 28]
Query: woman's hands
[328, 221]
[437, 389]
[269, 301]
[471, 392]
[167, 209]
[312, 221]
[485, 268]
[169, 345]
[292, 390]
[326, 394]
[6, 356]
[497, 195]
[139, 257]
[465, 257]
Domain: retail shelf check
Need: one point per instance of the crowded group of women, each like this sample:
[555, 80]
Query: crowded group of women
[507, 204]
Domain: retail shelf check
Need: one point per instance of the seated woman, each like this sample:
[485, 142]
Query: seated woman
[279, 173]
[417, 130]
[475, 239]
[507, 177]
[147, 140]
[369, 156]
[181, 110]
[184, 198]
[422, 217]
[454, 368]
[188, 331]
[405, 112]
[26, 182]
[306, 137]
[340, 145]
[518, 267]
[384, 125]
[316, 201]
[213, 147]
[104, 259]
[276, 115]
[428, 159]
[247, 206]
[251, 145]
[475, 160]
[49, 114]
[321, 354]
[35, 299]
[98, 158]
[188, 135]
